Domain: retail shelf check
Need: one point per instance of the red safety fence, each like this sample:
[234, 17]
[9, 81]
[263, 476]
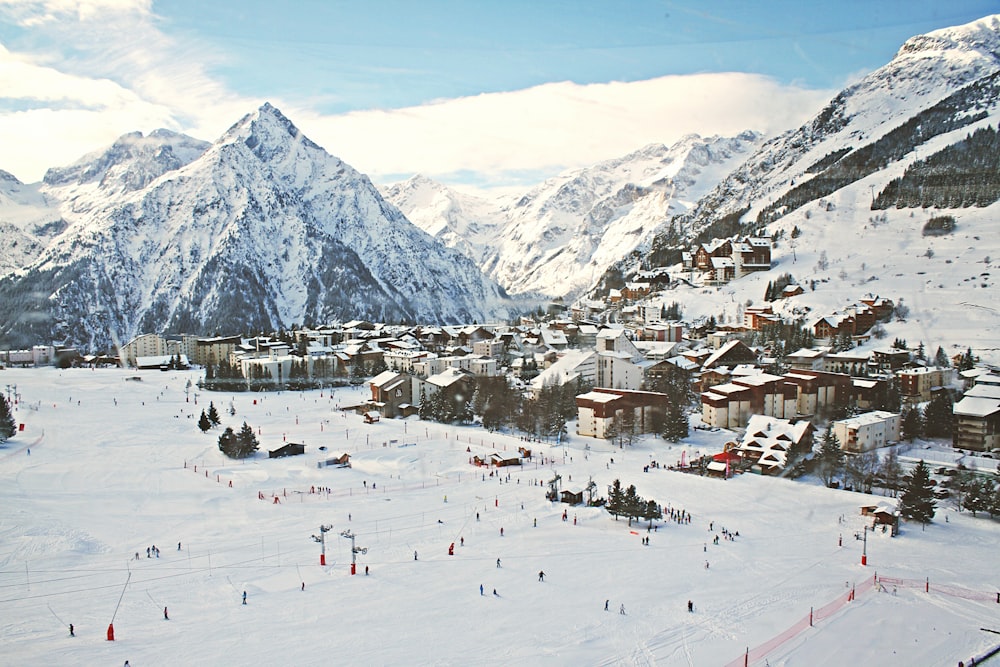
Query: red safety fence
[930, 587]
[758, 653]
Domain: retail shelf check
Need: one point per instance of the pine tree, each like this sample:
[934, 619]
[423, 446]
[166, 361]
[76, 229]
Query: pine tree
[204, 423]
[831, 457]
[675, 425]
[228, 444]
[652, 511]
[979, 497]
[247, 441]
[912, 425]
[632, 504]
[941, 358]
[616, 499]
[917, 501]
[213, 414]
[7, 425]
[939, 416]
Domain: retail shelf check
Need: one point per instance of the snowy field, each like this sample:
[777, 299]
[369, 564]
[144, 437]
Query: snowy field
[111, 471]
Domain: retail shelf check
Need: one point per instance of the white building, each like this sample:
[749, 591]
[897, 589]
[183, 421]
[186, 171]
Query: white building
[868, 431]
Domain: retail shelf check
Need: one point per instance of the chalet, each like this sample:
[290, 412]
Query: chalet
[393, 393]
[883, 514]
[636, 290]
[571, 497]
[791, 290]
[704, 253]
[817, 390]
[825, 328]
[721, 270]
[881, 307]
[161, 362]
[767, 440]
[732, 353]
[371, 417]
[291, 449]
[664, 332]
[851, 362]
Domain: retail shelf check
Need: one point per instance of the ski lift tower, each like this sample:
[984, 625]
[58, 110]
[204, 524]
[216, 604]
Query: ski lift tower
[553, 493]
[321, 538]
[354, 550]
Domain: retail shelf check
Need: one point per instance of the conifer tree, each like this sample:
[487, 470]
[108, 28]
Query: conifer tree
[7, 425]
[917, 501]
[979, 497]
[652, 511]
[939, 416]
[831, 457]
[227, 443]
[247, 442]
[912, 425]
[213, 414]
[675, 425]
[204, 423]
[616, 498]
[633, 505]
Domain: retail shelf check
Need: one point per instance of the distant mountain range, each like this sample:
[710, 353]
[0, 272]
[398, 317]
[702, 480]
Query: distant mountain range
[559, 237]
[261, 230]
[264, 229]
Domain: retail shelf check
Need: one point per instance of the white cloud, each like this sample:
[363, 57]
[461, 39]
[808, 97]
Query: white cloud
[560, 125]
[95, 70]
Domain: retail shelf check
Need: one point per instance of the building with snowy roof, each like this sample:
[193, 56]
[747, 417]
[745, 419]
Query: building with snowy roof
[868, 431]
[768, 439]
[601, 413]
[977, 417]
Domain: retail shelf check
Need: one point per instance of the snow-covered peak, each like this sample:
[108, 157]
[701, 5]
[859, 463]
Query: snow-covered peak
[982, 35]
[268, 133]
[131, 163]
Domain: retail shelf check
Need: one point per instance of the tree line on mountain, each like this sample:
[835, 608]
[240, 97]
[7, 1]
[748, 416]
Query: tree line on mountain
[960, 109]
[958, 176]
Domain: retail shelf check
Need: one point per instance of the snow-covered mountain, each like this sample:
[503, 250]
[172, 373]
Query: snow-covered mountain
[937, 88]
[562, 235]
[28, 222]
[459, 220]
[834, 195]
[262, 229]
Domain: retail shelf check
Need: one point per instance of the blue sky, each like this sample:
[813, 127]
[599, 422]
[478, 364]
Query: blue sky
[527, 88]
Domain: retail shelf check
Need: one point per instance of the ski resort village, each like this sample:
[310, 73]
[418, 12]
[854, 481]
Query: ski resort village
[653, 490]
[729, 399]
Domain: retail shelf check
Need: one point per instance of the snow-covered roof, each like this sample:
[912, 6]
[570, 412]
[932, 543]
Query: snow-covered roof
[718, 354]
[990, 391]
[976, 406]
[873, 417]
[771, 437]
[598, 397]
[382, 378]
